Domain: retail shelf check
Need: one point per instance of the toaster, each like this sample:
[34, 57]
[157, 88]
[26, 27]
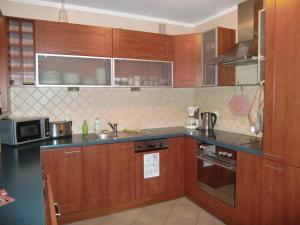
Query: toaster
[60, 129]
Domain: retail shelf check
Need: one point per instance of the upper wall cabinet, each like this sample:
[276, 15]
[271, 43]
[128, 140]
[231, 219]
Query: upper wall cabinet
[187, 58]
[72, 39]
[142, 45]
[214, 43]
[4, 85]
[21, 50]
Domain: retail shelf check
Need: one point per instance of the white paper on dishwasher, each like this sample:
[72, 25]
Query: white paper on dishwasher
[151, 165]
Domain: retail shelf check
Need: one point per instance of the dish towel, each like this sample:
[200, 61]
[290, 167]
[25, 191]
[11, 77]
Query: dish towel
[255, 115]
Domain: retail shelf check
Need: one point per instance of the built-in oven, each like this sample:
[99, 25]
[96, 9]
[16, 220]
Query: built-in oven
[217, 172]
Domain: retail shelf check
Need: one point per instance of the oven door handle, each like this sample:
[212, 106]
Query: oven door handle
[218, 163]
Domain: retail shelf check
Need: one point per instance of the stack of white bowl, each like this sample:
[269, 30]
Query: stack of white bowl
[50, 77]
[71, 78]
[88, 81]
[101, 76]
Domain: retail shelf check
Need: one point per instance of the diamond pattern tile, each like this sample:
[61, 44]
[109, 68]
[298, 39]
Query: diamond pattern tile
[157, 107]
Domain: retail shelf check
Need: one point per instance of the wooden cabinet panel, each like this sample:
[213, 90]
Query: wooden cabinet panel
[190, 166]
[108, 174]
[66, 170]
[187, 60]
[282, 92]
[248, 191]
[49, 202]
[151, 186]
[281, 194]
[176, 164]
[142, 45]
[4, 84]
[72, 39]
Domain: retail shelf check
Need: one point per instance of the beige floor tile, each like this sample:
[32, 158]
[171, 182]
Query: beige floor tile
[179, 220]
[164, 207]
[126, 217]
[206, 218]
[185, 210]
[150, 217]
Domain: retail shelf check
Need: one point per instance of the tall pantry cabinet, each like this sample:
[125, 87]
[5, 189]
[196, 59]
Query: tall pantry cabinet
[281, 167]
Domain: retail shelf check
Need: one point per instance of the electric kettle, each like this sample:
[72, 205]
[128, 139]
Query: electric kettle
[208, 120]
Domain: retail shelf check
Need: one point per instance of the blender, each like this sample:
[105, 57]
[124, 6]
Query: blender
[193, 117]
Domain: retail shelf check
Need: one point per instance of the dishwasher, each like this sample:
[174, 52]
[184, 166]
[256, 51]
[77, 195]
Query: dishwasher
[151, 166]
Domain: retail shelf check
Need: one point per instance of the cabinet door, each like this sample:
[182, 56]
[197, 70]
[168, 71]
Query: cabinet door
[190, 166]
[3, 66]
[226, 40]
[72, 39]
[248, 188]
[282, 92]
[108, 174]
[66, 170]
[147, 187]
[281, 194]
[142, 45]
[187, 60]
[176, 164]
[49, 202]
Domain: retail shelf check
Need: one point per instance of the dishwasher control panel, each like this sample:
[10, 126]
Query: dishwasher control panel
[150, 145]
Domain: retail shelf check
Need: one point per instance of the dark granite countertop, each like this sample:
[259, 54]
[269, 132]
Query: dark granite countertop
[20, 169]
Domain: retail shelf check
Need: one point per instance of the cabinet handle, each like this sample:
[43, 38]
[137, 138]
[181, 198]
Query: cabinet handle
[57, 209]
[72, 152]
[76, 50]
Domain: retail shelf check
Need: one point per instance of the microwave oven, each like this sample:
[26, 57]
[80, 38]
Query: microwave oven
[21, 130]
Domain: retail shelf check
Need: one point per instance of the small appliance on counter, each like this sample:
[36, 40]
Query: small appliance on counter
[21, 130]
[60, 129]
[209, 120]
[193, 117]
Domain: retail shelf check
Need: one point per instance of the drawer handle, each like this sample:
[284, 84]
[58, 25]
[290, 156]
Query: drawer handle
[57, 209]
[72, 152]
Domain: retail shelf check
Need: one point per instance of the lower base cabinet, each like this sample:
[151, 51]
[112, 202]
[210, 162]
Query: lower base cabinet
[248, 191]
[281, 194]
[109, 176]
[96, 180]
[65, 167]
[49, 202]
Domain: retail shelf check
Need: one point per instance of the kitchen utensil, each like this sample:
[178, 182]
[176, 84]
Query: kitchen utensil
[60, 128]
[101, 76]
[209, 120]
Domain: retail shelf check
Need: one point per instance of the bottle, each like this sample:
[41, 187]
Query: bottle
[85, 128]
[97, 125]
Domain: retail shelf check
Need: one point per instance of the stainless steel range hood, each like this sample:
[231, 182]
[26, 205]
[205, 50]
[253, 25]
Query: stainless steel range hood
[246, 50]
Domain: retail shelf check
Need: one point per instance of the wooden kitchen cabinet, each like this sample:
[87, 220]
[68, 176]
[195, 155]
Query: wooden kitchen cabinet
[280, 194]
[187, 60]
[65, 167]
[109, 176]
[282, 82]
[215, 42]
[151, 186]
[49, 202]
[4, 83]
[142, 45]
[248, 190]
[171, 175]
[72, 39]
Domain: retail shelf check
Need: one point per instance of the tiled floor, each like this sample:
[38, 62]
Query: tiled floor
[175, 212]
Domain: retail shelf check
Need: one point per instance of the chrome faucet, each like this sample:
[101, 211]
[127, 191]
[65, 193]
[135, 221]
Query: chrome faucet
[114, 127]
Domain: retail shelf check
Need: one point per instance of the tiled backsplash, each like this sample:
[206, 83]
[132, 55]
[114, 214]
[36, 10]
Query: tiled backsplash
[149, 108]
[158, 107]
[217, 99]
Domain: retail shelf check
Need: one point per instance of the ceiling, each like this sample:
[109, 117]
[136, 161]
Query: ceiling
[177, 11]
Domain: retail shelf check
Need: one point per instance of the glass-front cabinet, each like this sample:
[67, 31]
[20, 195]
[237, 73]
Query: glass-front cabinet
[142, 73]
[85, 71]
[73, 71]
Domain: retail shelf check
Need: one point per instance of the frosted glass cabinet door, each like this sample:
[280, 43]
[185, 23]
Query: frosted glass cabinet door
[209, 52]
[143, 73]
[62, 70]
